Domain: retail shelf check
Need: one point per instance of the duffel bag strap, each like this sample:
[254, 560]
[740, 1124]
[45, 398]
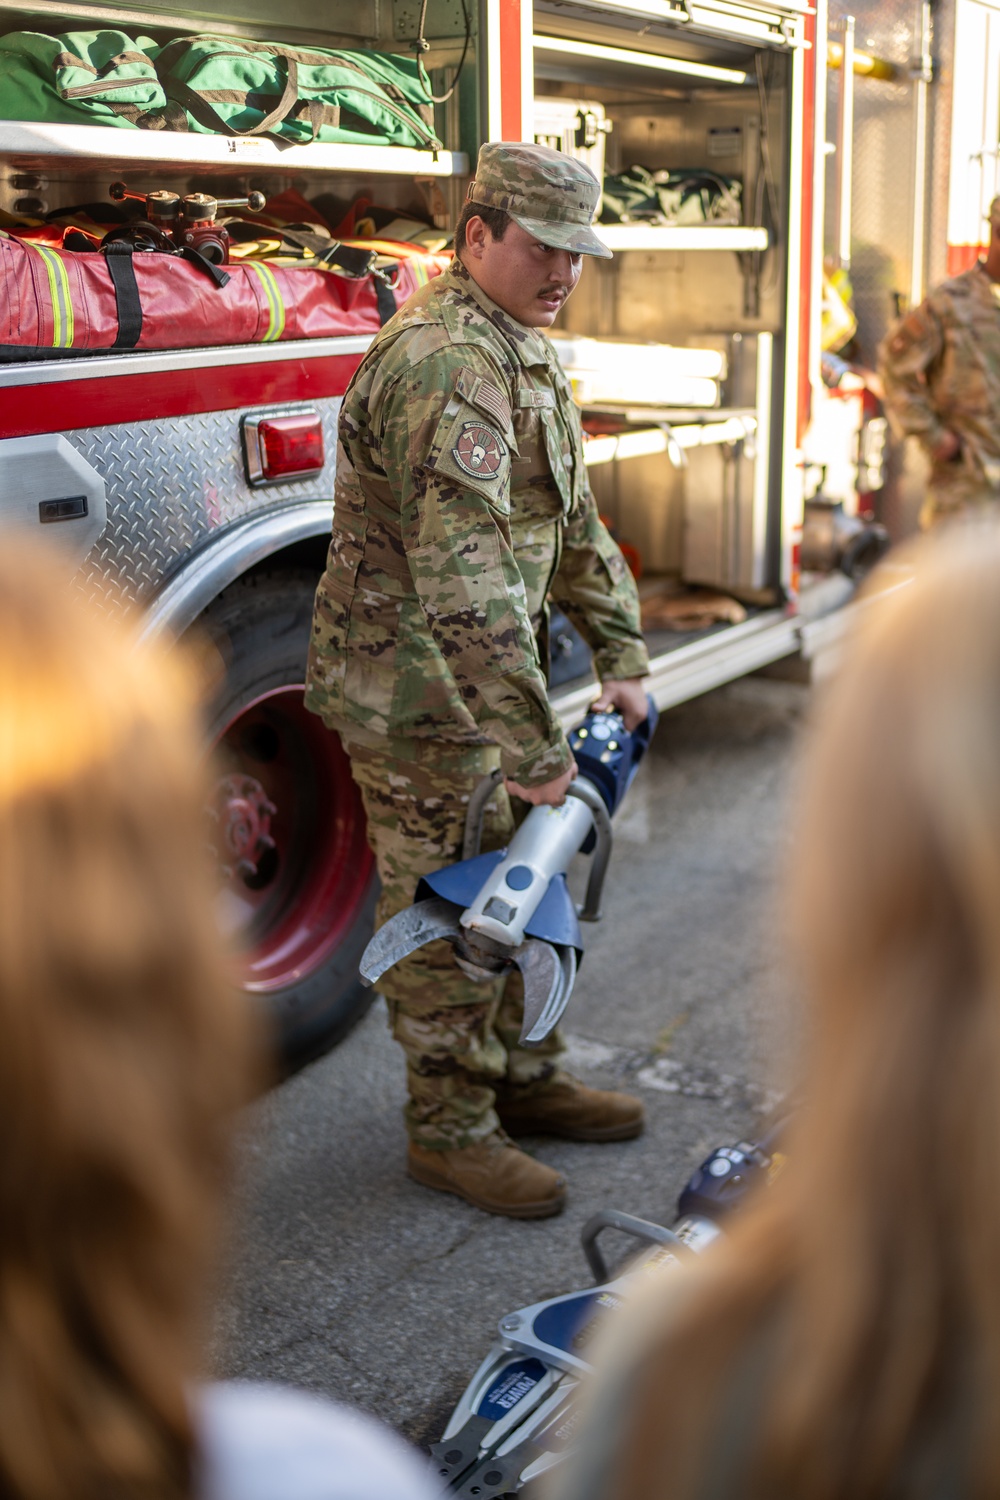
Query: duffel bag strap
[204, 111]
[118, 255]
[319, 115]
[121, 269]
[173, 117]
[353, 261]
[357, 262]
[215, 274]
[384, 299]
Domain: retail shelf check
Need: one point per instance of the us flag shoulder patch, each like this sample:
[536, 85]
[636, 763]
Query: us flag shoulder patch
[493, 401]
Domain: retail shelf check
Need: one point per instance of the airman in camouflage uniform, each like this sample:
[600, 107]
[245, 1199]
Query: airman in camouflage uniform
[462, 505]
[940, 367]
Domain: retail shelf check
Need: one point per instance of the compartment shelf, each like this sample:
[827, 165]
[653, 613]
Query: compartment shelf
[671, 439]
[34, 144]
[682, 237]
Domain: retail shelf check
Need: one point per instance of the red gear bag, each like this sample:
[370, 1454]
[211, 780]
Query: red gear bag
[60, 302]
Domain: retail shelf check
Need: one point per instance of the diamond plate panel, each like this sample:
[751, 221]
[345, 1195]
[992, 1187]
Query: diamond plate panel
[884, 188]
[171, 484]
[884, 164]
[942, 93]
[881, 203]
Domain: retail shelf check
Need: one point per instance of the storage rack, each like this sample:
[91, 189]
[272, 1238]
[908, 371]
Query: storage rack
[31, 146]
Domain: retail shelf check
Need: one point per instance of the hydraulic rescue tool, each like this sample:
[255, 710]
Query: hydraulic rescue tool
[519, 1413]
[512, 908]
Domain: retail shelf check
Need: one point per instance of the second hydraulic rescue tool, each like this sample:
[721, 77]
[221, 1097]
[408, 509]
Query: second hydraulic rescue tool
[512, 908]
[520, 1415]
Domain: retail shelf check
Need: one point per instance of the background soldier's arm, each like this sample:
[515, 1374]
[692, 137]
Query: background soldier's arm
[911, 349]
[596, 590]
[457, 536]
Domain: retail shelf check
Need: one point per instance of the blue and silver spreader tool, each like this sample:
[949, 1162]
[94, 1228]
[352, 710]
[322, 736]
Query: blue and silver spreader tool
[512, 908]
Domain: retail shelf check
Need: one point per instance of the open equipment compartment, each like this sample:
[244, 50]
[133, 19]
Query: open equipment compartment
[695, 478]
[46, 166]
[174, 523]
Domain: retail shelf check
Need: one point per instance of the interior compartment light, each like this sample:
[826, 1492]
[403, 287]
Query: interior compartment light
[602, 371]
[651, 10]
[606, 449]
[637, 59]
[283, 445]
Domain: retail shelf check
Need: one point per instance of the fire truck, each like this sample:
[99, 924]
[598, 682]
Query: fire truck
[192, 485]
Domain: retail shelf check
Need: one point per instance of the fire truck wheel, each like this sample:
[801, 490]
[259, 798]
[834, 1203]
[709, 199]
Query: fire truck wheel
[297, 879]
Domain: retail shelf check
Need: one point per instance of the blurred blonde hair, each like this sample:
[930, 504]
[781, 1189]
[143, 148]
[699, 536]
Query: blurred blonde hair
[875, 1261]
[123, 1047]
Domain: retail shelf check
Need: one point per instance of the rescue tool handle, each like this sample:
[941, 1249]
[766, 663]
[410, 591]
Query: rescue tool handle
[586, 792]
[638, 1229]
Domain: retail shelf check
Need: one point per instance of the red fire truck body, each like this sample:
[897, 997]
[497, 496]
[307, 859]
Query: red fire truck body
[145, 468]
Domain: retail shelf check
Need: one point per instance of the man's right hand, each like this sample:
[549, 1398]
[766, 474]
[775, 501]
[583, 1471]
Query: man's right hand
[549, 794]
[947, 447]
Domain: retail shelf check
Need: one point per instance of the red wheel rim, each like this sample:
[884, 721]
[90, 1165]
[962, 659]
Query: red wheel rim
[290, 833]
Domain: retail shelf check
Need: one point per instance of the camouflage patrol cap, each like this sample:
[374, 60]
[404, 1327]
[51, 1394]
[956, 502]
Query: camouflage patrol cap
[993, 212]
[548, 193]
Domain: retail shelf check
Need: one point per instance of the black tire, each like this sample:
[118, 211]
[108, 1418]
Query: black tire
[302, 908]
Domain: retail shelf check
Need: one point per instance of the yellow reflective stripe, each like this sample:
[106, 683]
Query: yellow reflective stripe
[275, 302]
[62, 303]
[421, 274]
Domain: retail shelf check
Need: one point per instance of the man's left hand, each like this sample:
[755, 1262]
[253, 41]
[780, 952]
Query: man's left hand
[628, 695]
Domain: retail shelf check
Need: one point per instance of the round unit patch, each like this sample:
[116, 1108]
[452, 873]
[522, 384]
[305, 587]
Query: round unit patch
[479, 451]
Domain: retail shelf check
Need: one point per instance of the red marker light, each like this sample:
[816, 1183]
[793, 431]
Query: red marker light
[283, 447]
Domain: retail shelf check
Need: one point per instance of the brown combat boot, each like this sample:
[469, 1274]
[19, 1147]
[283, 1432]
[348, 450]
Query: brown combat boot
[494, 1175]
[562, 1105]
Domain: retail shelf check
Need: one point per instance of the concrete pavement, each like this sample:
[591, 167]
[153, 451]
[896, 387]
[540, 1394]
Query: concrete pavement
[346, 1277]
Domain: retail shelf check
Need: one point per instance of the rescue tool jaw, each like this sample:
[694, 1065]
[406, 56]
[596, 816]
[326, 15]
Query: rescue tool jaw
[512, 908]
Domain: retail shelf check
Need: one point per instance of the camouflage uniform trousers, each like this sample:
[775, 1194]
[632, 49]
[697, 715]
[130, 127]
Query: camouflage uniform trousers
[460, 1036]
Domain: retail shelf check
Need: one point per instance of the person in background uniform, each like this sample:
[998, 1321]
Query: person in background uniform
[125, 1051]
[461, 505]
[940, 368]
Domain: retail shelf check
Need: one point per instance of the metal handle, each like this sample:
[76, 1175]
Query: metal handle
[119, 191]
[845, 145]
[639, 1229]
[255, 201]
[473, 836]
[675, 448]
[590, 911]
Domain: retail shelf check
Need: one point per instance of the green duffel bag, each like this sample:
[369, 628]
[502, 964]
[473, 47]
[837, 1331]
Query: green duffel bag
[233, 87]
[83, 78]
[687, 195]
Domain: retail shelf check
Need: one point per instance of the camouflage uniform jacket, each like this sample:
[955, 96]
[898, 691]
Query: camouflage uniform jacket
[461, 502]
[941, 370]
